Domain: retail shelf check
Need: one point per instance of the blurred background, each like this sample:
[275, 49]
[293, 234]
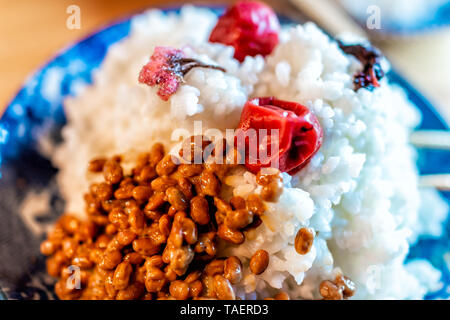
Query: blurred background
[414, 34]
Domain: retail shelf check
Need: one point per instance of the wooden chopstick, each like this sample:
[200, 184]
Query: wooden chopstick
[330, 16]
[438, 181]
[431, 139]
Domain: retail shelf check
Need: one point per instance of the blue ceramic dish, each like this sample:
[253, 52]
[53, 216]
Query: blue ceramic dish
[433, 19]
[23, 169]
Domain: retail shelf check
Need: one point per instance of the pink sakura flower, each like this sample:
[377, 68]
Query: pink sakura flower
[166, 69]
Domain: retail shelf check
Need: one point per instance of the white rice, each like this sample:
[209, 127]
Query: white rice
[359, 193]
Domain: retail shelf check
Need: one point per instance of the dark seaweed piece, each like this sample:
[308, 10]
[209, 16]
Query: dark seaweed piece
[370, 58]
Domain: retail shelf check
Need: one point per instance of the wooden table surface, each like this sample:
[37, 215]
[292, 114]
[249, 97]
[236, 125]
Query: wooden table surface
[33, 31]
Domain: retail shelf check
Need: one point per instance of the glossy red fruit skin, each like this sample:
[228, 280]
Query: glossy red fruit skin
[251, 27]
[300, 133]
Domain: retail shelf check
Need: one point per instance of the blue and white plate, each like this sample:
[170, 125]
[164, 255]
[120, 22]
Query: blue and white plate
[404, 18]
[36, 110]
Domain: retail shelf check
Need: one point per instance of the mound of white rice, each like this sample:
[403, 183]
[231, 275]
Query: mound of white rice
[359, 193]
